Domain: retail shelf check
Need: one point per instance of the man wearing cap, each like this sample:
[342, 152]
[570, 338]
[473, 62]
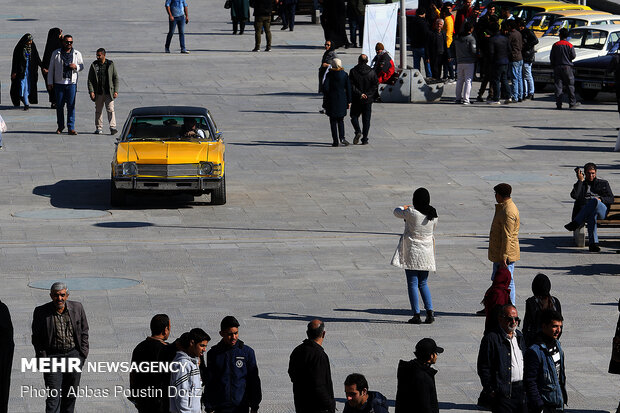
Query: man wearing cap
[500, 363]
[60, 332]
[416, 390]
[232, 383]
[310, 373]
[504, 236]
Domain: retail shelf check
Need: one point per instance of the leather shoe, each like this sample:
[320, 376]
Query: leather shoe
[72, 132]
[571, 226]
[594, 248]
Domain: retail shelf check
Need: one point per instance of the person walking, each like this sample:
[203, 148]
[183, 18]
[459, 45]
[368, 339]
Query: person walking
[65, 64]
[310, 373]
[614, 363]
[262, 21]
[103, 89]
[465, 45]
[364, 86]
[337, 90]
[54, 42]
[178, 16]
[534, 306]
[239, 14]
[561, 57]
[416, 251]
[288, 14]
[25, 72]
[416, 391]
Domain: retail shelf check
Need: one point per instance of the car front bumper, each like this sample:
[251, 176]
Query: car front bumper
[167, 184]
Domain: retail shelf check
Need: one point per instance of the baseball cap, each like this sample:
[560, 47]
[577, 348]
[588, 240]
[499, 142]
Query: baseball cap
[427, 346]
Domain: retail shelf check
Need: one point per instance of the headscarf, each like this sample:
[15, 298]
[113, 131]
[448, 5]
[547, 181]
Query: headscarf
[541, 286]
[53, 43]
[421, 203]
[27, 44]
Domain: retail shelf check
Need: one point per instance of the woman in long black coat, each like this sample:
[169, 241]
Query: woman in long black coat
[337, 91]
[334, 20]
[25, 72]
[54, 42]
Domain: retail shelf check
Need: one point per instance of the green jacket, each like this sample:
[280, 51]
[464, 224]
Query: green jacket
[112, 78]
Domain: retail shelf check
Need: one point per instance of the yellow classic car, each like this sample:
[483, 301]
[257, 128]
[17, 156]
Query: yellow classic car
[169, 148]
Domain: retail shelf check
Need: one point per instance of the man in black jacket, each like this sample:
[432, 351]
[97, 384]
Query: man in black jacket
[436, 48]
[262, 20]
[593, 197]
[499, 52]
[500, 364]
[364, 86]
[416, 390]
[418, 37]
[313, 391]
[561, 57]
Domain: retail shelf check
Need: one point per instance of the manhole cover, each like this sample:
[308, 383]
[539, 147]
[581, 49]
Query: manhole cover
[82, 284]
[454, 132]
[516, 177]
[59, 213]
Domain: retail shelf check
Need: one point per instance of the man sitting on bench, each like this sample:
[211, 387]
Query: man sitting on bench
[593, 197]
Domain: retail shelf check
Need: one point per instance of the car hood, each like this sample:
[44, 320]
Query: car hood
[582, 53]
[545, 43]
[162, 152]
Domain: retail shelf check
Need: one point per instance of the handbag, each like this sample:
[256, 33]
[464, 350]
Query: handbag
[228, 4]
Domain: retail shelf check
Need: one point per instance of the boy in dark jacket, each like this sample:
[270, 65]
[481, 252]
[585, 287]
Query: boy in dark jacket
[416, 390]
[359, 399]
[232, 382]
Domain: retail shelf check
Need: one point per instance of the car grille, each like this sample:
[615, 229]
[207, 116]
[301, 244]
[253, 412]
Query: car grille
[183, 169]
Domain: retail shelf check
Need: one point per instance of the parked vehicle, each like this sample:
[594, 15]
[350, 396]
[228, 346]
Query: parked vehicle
[540, 23]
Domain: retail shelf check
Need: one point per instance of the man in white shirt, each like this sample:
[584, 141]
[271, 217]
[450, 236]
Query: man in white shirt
[62, 78]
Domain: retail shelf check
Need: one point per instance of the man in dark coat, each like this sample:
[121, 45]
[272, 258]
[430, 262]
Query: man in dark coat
[337, 90]
[561, 57]
[262, 20]
[499, 52]
[60, 331]
[593, 198]
[334, 20]
[436, 48]
[54, 42]
[500, 364]
[7, 347]
[313, 391]
[150, 350]
[25, 72]
[416, 391]
[364, 85]
[232, 383]
[419, 30]
[360, 399]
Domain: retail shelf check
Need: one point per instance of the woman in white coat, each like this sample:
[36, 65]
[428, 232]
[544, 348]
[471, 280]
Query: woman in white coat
[416, 251]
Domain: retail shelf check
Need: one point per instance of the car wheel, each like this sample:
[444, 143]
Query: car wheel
[218, 195]
[587, 94]
[117, 196]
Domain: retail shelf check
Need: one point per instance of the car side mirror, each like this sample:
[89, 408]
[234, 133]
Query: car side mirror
[117, 141]
[218, 136]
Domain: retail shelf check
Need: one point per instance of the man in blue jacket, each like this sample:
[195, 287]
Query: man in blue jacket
[232, 382]
[545, 377]
[359, 399]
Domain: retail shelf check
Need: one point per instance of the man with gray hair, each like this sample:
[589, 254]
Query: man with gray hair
[313, 391]
[364, 86]
[60, 331]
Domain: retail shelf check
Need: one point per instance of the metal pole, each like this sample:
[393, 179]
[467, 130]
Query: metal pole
[403, 35]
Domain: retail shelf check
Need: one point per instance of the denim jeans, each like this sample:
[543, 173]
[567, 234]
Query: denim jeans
[516, 74]
[528, 79]
[416, 280]
[65, 94]
[356, 29]
[463, 81]
[591, 211]
[420, 54]
[178, 21]
[58, 385]
[364, 109]
[511, 268]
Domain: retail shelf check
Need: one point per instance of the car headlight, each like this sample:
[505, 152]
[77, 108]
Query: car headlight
[127, 168]
[210, 168]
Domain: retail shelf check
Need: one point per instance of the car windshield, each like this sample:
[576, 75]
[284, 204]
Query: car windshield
[539, 22]
[589, 39]
[554, 30]
[163, 128]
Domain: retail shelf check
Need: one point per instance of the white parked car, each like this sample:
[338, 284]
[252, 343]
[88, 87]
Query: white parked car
[571, 22]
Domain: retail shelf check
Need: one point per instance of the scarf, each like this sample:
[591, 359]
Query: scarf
[67, 59]
[27, 45]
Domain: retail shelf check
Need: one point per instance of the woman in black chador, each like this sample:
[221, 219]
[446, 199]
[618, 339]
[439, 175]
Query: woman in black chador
[54, 41]
[24, 72]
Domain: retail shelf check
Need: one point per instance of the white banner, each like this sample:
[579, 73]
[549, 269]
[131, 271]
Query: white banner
[380, 26]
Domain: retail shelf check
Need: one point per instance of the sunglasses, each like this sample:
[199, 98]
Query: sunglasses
[512, 319]
[68, 41]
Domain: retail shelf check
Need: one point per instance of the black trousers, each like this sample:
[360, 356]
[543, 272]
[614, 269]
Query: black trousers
[364, 109]
[563, 76]
[337, 125]
[6, 362]
[436, 62]
[500, 82]
[240, 21]
[513, 404]
[60, 383]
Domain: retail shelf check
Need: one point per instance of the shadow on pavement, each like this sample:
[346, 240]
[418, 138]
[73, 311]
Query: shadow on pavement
[561, 244]
[561, 148]
[402, 312]
[285, 112]
[280, 143]
[459, 406]
[308, 318]
[586, 269]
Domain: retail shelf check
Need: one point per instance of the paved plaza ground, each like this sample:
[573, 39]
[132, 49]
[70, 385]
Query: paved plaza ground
[308, 229]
